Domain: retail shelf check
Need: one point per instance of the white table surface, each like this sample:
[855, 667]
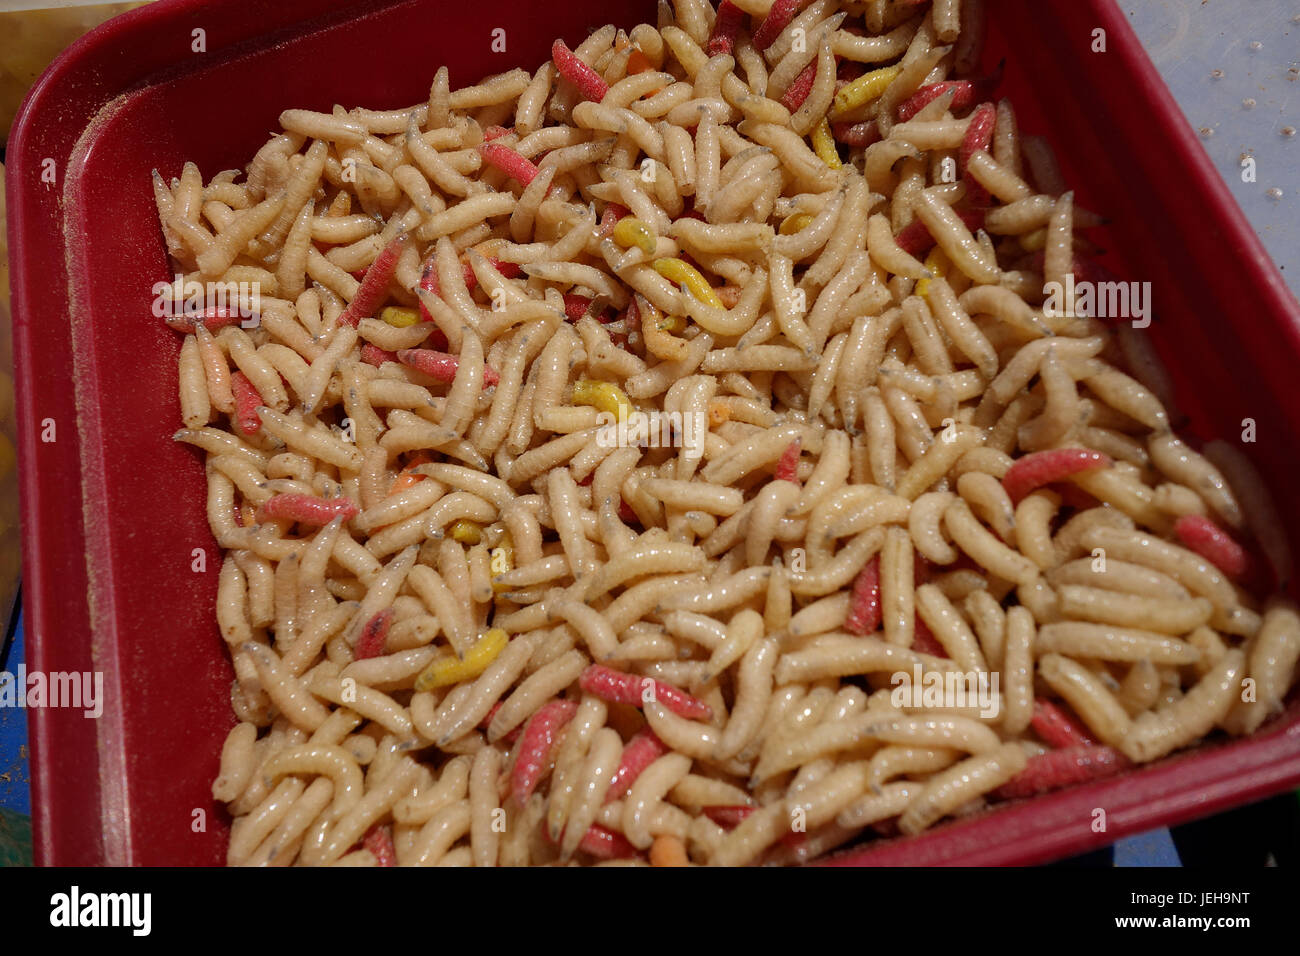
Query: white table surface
[1234, 67]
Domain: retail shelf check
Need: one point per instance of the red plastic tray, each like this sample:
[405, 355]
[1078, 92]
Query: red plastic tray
[113, 509]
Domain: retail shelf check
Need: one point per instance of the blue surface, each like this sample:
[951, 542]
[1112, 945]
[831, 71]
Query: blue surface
[1153, 848]
[14, 777]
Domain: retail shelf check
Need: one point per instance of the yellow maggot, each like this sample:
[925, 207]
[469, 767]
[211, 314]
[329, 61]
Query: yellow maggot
[605, 396]
[863, 90]
[689, 278]
[465, 531]
[795, 222]
[450, 670]
[823, 142]
[399, 317]
[630, 231]
[937, 263]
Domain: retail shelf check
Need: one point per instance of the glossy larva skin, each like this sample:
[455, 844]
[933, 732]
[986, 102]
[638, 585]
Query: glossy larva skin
[471, 623]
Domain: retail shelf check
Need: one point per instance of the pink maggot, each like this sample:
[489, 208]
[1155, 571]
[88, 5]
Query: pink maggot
[641, 751]
[374, 287]
[307, 509]
[1056, 727]
[1062, 768]
[539, 738]
[441, 365]
[590, 84]
[374, 636]
[1044, 467]
[864, 605]
[623, 688]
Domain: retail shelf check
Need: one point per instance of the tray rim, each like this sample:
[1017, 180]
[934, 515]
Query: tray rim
[1273, 757]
